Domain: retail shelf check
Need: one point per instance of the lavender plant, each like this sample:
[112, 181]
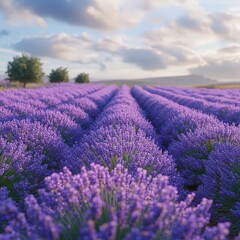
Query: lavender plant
[124, 144]
[98, 204]
[221, 182]
[192, 151]
[111, 187]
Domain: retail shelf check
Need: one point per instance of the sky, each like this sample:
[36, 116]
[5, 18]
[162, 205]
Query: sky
[123, 39]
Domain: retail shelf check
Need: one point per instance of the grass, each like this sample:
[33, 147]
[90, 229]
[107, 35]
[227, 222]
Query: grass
[221, 85]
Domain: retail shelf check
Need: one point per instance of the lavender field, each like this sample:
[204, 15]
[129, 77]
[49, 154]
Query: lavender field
[104, 162]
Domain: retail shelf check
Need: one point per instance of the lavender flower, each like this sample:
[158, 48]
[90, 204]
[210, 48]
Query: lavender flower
[221, 182]
[19, 170]
[123, 109]
[28, 156]
[40, 140]
[224, 112]
[98, 204]
[192, 151]
[126, 145]
[70, 131]
[170, 119]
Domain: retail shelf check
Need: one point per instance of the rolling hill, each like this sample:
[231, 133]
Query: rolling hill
[180, 81]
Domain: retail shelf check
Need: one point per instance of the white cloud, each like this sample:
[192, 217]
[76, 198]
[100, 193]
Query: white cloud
[15, 15]
[106, 15]
[85, 50]
[177, 43]
[60, 46]
[219, 70]
[146, 59]
[97, 14]
[225, 25]
[198, 29]
[222, 63]
[189, 31]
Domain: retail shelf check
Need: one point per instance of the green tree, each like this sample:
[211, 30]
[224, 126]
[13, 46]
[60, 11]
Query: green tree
[82, 78]
[25, 69]
[59, 75]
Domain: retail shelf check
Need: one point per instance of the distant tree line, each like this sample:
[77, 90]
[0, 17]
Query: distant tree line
[27, 69]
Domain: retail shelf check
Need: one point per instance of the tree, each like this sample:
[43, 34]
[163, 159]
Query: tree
[59, 75]
[82, 78]
[25, 69]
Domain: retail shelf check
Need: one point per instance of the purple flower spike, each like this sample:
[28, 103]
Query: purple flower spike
[108, 205]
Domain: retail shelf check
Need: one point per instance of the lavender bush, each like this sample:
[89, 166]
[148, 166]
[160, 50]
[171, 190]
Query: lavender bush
[108, 162]
[98, 204]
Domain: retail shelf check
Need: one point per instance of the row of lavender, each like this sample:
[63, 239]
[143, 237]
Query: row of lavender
[206, 151]
[105, 172]
[214, 95]
[224, 110]
[229, 96]
[38, 128]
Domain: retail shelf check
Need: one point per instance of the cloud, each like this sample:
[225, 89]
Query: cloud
[178, 55]
[181, 32]
[225, 25]
[110, 15]
[231, 49]
[110, 44]
[107, 15]
[222, 63]
[196, 29]
[85, 50]
[186, 40]
[189, 23]
[62, 46]
[103, 67]
[185, 4]
[144, 58]
[15, 14]
[4, 33]
[219, 70]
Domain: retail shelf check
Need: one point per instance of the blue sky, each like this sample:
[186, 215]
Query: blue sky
[125, 39]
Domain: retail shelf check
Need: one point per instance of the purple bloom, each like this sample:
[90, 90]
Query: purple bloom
[34, 224]
[70, 131]
[75, 113]
[221, 182]
[101, 204]
[126, 145]
[123, 109]
[19, 170]
[170, 119]
[225, 112]
[29, 152]
[192, 151]
[105, 176]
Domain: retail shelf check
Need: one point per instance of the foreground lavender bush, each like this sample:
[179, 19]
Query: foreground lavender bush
[98, 204]
[39, 139]
[29, 152]
[221, 182]
[20, 171]
[192, 151]
[124, 144]
[44, 130]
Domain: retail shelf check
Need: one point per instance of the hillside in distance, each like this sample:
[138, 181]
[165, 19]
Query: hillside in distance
[179, 81]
